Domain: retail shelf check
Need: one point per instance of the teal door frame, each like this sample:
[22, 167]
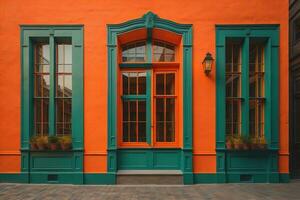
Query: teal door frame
[150, 21]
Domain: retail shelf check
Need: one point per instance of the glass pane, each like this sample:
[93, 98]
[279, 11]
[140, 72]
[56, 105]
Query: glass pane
[42, 54]
[133, 83]
[68, 54]
[59, 110]
[132, 129]
[67, 85]
[170, 110]
[163, 52]
[68, 129]
[170, 84]
[67, 110]
[142, 111]
[60, 86]
[160, 132]
[125, 110]
[42, 85]
[41, 118]
[170, 131]
[142, 83]
[125, 131]
[159, 109]
[135, 52]
[142, 131]
[159, 84]
[42, 68]
[233, 118]
[132, 111]
[125, 82]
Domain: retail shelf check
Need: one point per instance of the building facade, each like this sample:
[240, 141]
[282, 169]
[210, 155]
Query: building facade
[294, 41]
[164, 91]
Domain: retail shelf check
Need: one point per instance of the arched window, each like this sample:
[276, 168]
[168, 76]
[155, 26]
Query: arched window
[137, 51]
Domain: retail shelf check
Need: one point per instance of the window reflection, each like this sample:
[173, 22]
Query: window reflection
[41, 88]
[63, 88]
[163, 52]
[134, 52]
[233, 87]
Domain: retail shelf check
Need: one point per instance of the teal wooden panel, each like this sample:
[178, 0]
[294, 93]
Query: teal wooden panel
[149, 159]
[246, 162]
[134, 159]
[166, 160]
[51, 163]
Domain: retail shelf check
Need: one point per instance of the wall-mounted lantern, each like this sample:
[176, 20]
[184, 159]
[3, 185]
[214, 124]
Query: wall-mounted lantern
[207, 63]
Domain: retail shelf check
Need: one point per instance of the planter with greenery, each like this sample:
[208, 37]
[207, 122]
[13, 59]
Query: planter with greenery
[42, 142]
[33, 143]
[65, 142]
[53, 142]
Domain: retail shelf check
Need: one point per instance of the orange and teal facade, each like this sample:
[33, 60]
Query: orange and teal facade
[127, 82]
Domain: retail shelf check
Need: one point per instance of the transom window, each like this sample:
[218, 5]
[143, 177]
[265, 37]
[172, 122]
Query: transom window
[163, 52]
[62, 77]
[137, 51]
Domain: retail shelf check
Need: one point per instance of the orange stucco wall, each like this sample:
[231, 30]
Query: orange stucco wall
[94, 15]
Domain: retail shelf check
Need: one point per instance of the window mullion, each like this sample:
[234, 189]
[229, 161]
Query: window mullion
[245, 87]
[52, 87]
[148, 108]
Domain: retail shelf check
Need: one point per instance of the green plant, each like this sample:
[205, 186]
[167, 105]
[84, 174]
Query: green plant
[33, 142]
[53, 139]
[42, 142]
[262, 143]
[65, 142]
[229, 142]
[238, 142]
[245, 142]
[53, 142]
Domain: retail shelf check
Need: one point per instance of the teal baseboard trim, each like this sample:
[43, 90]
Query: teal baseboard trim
[57, 177]
[205, 178]
[14, 178]
[284, 178]
[188, 178]
[110, 178]
[100, 179]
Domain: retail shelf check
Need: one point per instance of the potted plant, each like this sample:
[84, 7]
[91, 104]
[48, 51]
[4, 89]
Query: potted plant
[42, 142]
[53, 142]
[229, 142]
[262, 143]
[245, 142]
[254, 143]
[33, 143]
[65, 142]
[238, 142]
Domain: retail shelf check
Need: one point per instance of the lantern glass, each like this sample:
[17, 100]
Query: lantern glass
[207, 63]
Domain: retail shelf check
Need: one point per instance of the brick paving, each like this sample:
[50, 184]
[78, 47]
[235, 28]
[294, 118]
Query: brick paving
[287, 191]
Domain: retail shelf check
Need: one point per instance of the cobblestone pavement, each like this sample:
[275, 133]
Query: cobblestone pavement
[204, 191]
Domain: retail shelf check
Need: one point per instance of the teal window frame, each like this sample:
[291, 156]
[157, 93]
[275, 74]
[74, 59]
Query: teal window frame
[270, 33]
[147, 98]
[150, 21]
[29, 34]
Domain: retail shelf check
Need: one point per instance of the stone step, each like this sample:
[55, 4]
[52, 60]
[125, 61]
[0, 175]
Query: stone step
[144, 177]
